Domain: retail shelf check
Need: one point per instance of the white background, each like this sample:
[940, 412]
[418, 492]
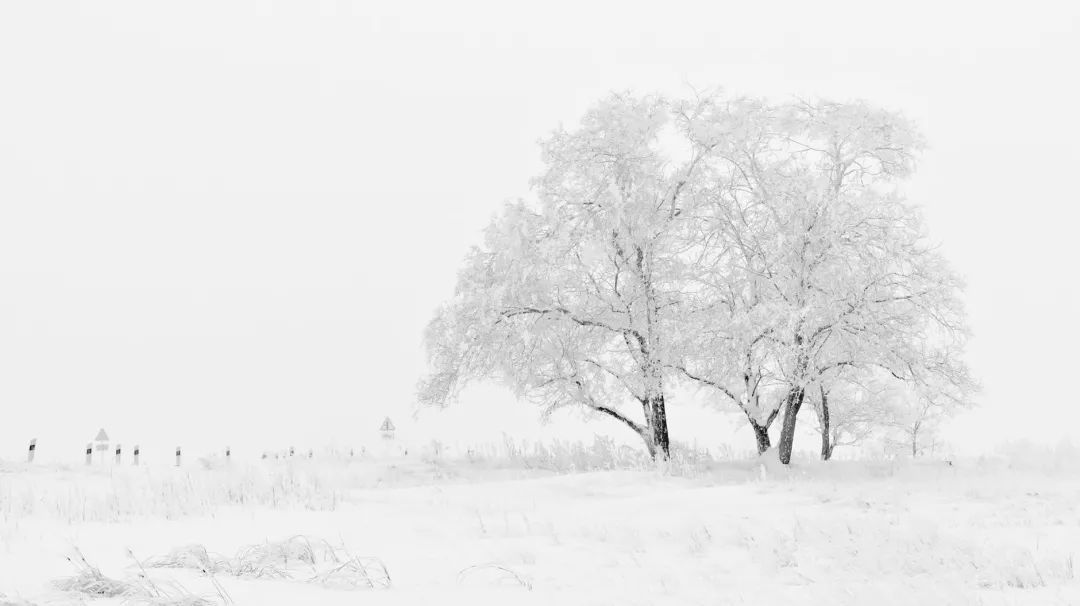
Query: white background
[228, 222]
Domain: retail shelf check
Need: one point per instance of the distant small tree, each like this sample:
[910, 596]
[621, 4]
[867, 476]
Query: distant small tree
[915, 425]
[851, 410]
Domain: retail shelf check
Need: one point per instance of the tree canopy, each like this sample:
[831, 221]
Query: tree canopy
[761, 249]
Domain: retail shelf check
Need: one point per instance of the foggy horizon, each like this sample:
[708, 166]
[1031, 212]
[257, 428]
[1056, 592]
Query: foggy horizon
[229, 224]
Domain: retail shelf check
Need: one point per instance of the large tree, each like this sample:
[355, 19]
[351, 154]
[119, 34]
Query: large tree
[817, 265]
[761, 249]
[574, 293]
[862, 284]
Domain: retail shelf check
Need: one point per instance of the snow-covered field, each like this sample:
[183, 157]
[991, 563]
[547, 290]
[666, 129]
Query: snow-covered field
[985, 531]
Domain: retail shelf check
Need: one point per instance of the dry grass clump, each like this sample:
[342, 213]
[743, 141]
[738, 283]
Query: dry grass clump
[355, 573]
[295, 558]
[140, 590]
[273, 559]
[171, 593]
[90, 581]
[193, 557]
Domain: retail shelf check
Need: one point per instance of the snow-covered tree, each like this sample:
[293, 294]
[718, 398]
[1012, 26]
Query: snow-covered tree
[819, 266]
[763, 250]
[573, 295]
[916, 414]
[916, 431]
[852, 409]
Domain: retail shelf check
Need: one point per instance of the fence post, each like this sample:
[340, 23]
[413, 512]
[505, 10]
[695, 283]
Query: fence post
[117, 454]
[178, 456]
[89, 454]
[136, 452]
[30, 454]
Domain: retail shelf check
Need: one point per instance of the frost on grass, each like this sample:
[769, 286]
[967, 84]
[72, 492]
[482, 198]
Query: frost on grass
[842, 532]
[355, 573]
[493, 574]
[90, 581]
[139, 590]
[295, 558]
[193, 557]
[276, 558]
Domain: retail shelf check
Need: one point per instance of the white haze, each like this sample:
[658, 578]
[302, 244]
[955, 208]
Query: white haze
[227, 223]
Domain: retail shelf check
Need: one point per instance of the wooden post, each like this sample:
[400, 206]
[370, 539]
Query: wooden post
[89, 454]
[136, 453]
[30, 454]
[117, 454]
[178, 456]
[228, 453]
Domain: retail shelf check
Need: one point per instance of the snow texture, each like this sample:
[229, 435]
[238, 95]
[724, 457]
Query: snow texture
[491, 531]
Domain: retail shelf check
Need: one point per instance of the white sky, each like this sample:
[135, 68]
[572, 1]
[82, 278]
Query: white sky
[228, 222]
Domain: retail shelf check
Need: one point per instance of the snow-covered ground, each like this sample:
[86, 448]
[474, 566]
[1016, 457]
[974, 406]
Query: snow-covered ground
[417, 532]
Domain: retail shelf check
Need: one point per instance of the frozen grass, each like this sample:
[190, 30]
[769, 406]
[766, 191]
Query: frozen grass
[561, 456]
[313, 560]
[508, 525]
[112, 495]
[191, 557]
[279, 556]
[494, 573]
[138, 590]
[107, 494]
[91, 582]
[354, 573]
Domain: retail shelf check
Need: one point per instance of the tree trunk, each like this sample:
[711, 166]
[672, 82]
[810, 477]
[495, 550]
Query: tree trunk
[826, 444]
[650, 444]
[761, 435]
[792, 405]
[655, 411]
[659, 428]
